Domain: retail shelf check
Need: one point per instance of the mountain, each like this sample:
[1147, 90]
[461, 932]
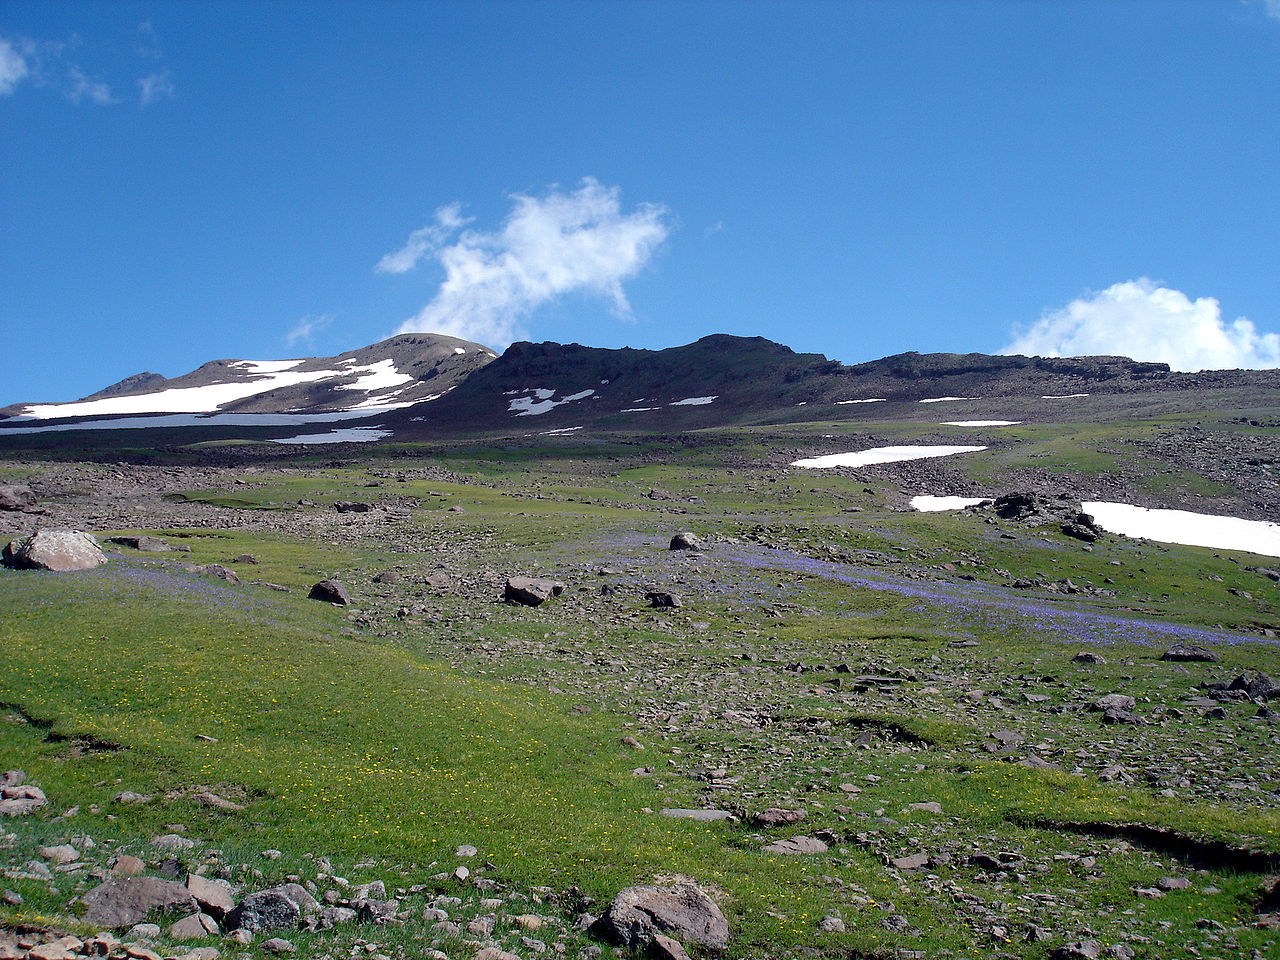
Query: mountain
[405, 369]
[420, 387]
[724, 379]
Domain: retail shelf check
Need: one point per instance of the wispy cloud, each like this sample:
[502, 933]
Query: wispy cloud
[546, 247]
[13, 67]
[427, 240]
[81, 88]
[1144, 321]
[305, 329]
[1272, 7]
[153, 87]
[147, 43]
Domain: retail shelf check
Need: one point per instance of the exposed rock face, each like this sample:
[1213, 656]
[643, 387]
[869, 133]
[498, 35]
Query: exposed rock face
[531, 591]
[330, 591]
[681, 911]
[57, 550]
[124, 902]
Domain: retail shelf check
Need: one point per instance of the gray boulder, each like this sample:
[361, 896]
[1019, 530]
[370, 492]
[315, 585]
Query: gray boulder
[123, 902]
[143, 543]
[265, 910]
[57, 550]
[685, 540]
[16, 497]
[531, 591]
[1189, 653]
[17, 797]
[681, 911]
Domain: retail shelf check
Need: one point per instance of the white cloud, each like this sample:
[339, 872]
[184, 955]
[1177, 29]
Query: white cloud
[1272, 8]
[425, 241]
[306, 328]
[153, 87]
[546, 247]
[81, 88]
[1144, 321]
[13, 67]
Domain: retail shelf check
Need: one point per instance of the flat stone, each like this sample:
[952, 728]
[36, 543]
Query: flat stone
[63, 853]
[912, 861]
[127, 866]
[531, 591]
[704, 815]
[215, 896]
[198, 926]
[122, 902]
[929, 807]
[796, 846]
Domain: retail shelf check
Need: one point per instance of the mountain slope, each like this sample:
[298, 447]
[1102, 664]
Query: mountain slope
[402, 370]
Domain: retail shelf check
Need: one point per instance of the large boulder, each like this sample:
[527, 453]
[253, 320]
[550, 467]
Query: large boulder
[681, 911]
[330, 591]
[686, 540]
[531, 591]
[124, 902]
[16, 497]
[56, 550]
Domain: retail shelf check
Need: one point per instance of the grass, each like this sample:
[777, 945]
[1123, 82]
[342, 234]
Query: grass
[367, 735]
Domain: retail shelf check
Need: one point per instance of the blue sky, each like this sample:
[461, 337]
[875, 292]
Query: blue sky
[189, 181]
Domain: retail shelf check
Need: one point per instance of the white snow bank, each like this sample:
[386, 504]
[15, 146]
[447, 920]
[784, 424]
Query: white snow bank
[928, 504]
[980, 423]
[868, 400]
[865, 458]
[1185, 527]
[947, 399]
[348, 435]
[693, 402]
[560, 432]
[377, 377]
[541, 402]
[638, 409]
[206, 420]
[1064, 396]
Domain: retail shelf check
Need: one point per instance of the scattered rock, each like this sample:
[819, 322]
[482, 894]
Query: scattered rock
[703, 815]
[687, 541]
[127, 866]
[1078, 950]
[531, 591]
[330, 591]
[682, 911]
[195, 927]
[18, 798]
[59, 551]
[278, 945]
[265, 910]
[352, 506]
[914, 861]
[663, 599]
[778, 817]
[143, 543]
[122, 902]
[215, 896]
[16, 497]
[1087, 656]
[796, 845]
[1189, 653]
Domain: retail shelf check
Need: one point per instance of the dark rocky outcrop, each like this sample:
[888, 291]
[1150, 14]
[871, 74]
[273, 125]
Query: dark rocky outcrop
[330, 591]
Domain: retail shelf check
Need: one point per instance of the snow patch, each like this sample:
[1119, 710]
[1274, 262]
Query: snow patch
[458, 351]
[541, 402]
[980, 423]
[1187, 528]
[693, 402]
[840, 403]
[377, 377]
[348, 435]
[866, 458]
[204, 420]
[558, 432]
[639, 409]
[1064, 396]
[928, 504]
[947, 399]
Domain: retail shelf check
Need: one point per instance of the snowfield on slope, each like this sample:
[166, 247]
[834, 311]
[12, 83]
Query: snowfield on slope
[866, 458]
